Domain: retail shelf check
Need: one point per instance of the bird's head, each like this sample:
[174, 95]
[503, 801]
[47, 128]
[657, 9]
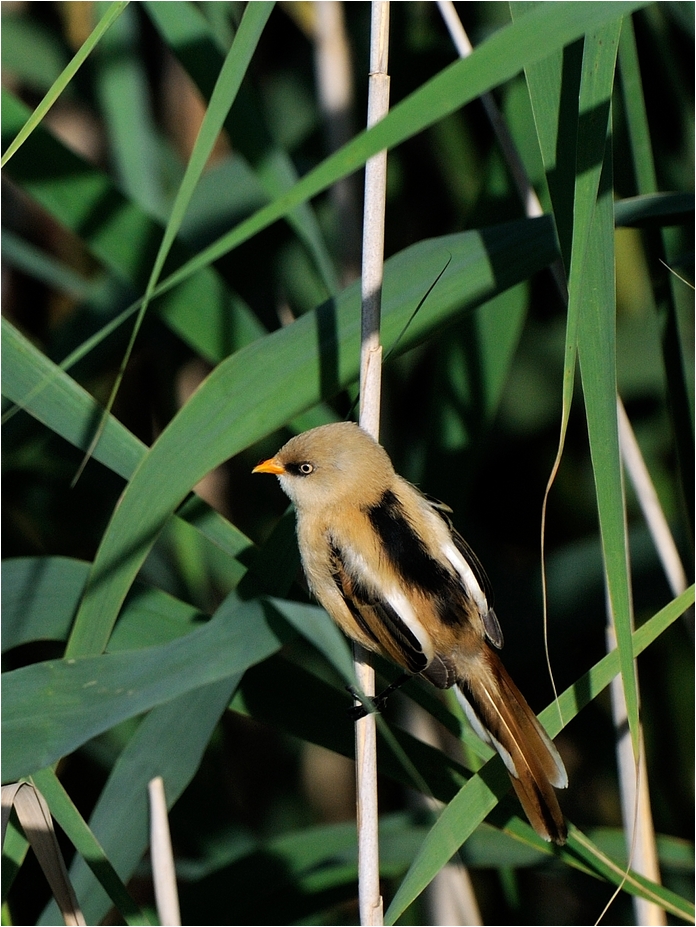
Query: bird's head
[329, 465]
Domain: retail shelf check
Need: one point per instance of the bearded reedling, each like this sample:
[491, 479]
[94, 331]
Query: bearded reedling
[388, 567]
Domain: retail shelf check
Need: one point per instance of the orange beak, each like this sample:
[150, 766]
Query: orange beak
[272, 465]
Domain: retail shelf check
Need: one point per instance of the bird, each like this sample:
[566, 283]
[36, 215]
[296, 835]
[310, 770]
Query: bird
[386, 563]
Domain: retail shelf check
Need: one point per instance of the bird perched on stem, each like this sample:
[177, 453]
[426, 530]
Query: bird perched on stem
[388, 567]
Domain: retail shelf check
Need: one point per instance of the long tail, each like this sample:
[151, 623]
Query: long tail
[501, 717]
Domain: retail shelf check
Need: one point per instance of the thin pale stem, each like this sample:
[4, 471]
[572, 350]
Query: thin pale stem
[650, 505]
[370, 392]
[163, 872]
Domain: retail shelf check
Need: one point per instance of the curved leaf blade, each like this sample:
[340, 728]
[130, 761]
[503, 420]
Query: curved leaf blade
[52, 708]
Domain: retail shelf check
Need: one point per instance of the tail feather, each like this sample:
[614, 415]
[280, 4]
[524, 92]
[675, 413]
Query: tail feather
[500, 715]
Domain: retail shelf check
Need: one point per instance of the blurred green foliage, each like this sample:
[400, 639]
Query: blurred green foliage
[472, 405]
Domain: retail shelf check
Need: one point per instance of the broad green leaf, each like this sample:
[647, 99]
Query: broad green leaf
[40, 596]
[591, 293]
[636, 114]
[34, 382]
[52, 708]
[597, 353]
[654, 210]
[180, 728]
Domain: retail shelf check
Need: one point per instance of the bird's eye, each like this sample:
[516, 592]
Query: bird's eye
[306, 468]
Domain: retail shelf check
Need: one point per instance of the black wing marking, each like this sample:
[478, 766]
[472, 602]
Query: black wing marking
[411, 560]
[491, 625]
[376, 617]
[405, 549]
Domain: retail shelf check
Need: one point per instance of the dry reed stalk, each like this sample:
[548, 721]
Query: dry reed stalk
[161, 856]
[370, 391]
[35, 819]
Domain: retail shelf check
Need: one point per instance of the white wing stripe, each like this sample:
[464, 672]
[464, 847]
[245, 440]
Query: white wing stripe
[467, 576]
[401, 604]
[403, 608]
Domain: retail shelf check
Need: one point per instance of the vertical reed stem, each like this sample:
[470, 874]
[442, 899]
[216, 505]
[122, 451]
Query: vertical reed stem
[370, 392]
[162, 857]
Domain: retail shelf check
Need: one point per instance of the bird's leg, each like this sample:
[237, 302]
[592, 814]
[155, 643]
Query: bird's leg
[378, 702]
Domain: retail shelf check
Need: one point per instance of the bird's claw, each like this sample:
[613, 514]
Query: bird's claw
[356, 712]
